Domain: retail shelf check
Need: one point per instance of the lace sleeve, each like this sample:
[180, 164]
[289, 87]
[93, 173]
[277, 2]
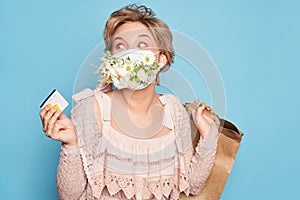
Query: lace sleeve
[198, 161]
[203, 160]
[200, 167]
[71, 176]
[71, 180]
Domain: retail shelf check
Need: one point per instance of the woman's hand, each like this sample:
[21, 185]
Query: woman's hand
[202, 121]
[58, 126]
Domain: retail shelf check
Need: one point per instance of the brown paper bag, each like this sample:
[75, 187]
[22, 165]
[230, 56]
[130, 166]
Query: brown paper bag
[228, 145]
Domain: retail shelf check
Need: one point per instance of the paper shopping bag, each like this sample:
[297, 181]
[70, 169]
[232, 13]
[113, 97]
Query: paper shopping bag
[228, 146]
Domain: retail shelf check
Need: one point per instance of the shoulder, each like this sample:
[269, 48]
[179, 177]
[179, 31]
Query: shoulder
[176, 107]
[174, 102]
[172, 99]
[84, 102]
[83, 95]
[181, 120]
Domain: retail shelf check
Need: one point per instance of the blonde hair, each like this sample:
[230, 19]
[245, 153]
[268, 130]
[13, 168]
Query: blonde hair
[134, 13]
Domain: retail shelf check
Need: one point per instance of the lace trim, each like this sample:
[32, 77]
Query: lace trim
[87, 160]
[161, 187]
[137, 163]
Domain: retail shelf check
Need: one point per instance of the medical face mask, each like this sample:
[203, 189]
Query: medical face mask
[134, 69]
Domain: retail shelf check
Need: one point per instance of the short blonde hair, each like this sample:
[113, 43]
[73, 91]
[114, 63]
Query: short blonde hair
[134, 13]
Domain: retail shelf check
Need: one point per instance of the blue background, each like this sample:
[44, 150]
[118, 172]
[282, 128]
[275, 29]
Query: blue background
[255, 45]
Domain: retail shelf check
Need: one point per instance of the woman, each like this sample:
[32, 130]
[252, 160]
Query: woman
[131, 143]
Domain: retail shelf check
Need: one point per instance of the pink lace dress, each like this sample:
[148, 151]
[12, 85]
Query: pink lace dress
[108, 165]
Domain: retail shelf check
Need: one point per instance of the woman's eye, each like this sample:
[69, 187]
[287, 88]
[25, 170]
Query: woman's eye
[120, 46]
[142, 45]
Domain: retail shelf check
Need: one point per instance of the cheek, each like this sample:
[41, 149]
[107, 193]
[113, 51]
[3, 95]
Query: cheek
[114, 51]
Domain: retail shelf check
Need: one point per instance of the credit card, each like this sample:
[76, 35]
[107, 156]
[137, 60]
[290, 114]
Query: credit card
[55, 98]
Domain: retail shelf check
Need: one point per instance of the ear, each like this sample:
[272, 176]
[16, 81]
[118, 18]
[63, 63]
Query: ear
[162, 59]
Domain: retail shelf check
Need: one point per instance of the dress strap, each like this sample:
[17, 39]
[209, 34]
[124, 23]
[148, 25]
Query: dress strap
[105, 105]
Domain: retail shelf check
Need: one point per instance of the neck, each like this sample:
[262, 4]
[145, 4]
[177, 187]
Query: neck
[139, 101]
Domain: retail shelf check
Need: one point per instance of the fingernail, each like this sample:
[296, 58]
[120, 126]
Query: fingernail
[202, 104]
[55, 107]
[49, 105]
[58, 110]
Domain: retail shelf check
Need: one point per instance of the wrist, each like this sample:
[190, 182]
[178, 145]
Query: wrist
[203, 133]
[71, 144]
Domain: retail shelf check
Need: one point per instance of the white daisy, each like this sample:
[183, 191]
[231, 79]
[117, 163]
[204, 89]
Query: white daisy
[142, 75]
[149, 57]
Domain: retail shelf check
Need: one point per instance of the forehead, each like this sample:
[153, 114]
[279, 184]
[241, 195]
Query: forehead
[132, 29]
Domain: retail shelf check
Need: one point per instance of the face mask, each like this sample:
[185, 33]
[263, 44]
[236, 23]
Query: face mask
[134, 69]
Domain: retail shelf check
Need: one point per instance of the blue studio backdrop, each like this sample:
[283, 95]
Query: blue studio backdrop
[253, 44]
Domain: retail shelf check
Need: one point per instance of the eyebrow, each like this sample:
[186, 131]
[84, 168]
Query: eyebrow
[143, 35]
[118, 38]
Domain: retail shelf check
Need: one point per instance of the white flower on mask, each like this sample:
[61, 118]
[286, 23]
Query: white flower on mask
[113, 72]
[142, 75]
[149, 58]
[116, 80]
[125, 69]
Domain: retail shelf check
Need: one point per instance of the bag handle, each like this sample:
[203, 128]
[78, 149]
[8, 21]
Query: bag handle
[231, 130]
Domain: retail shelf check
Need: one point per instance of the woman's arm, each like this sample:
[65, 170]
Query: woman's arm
[71, 177]
[205, 151]
[71, 180]
[198, 161]
[201, 164]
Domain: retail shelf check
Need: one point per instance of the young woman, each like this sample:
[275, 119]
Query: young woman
[130, 142]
